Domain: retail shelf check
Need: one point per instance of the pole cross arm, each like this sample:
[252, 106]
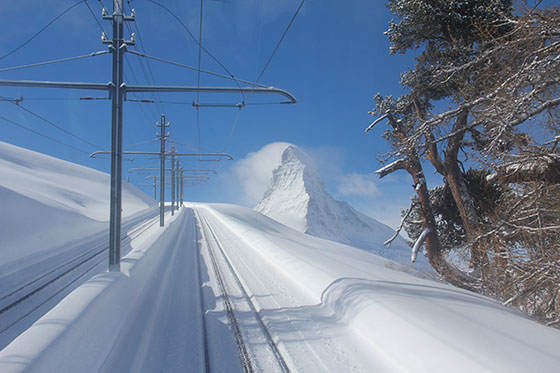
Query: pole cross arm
[71, 85]
[154, 88]
[229, 157]
[189, 177]
[167, 170]
[147, 88]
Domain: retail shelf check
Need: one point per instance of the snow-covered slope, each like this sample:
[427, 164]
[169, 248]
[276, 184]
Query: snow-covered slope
[297, 197]
[328, 307]
[47, 201]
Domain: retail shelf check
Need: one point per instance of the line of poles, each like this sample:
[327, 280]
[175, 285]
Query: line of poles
[117, 90]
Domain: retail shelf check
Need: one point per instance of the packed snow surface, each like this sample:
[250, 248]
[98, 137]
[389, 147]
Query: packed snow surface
[327, 306]
[322, 305]
[297, 197]
[48, 202]
[54, 214]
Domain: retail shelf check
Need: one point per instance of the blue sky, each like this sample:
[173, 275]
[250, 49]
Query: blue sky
[334, 59]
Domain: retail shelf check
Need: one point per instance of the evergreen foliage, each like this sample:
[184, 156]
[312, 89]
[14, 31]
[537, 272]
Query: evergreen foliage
[495, 65]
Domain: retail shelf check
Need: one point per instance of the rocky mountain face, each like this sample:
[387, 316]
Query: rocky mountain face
[297, 197]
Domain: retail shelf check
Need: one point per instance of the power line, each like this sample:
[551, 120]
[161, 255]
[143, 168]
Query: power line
[143, 49]
[265, 67]
[131, 70]
[280, 41]
[93, 54]
[58, 127]
[196, 41]
[43, 135]
[237, 80]
[94, 17]
[198, 72]
[41, 30]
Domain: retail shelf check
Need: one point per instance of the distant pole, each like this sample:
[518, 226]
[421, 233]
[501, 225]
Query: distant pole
[172, 180]
[182, 186]
[162, 136]
[155, 188]
[177, 184]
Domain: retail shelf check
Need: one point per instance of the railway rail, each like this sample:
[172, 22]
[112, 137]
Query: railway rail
[224, 270]
[34, 294]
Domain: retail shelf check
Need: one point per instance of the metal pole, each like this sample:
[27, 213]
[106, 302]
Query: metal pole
[116, 140]
[172, 180]
[182, 186]
[162, 137]
[155, 187]
[178, 174]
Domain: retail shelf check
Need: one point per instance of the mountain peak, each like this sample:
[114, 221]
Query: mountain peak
[297, 197]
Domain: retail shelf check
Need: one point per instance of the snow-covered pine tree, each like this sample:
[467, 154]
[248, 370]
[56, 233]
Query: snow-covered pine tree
[495, 67]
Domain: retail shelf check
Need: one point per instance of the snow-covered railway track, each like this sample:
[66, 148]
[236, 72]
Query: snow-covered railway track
[32, 296]
[225, 276]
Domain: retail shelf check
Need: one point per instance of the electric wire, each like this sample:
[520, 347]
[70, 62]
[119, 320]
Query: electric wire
[233, 127]
[41, 30]
[265, 67]
[43, 135]
[150, 121]
[196, 41]
[94, 17]
[198, 72]
[143, 49]
[86, 98]
[141, 143]
[93, 54]
[103, 30]
[58, 127]
[237, 80]
[280, 41]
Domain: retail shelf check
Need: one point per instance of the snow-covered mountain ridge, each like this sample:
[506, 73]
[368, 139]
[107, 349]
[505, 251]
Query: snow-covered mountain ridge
[298, 198]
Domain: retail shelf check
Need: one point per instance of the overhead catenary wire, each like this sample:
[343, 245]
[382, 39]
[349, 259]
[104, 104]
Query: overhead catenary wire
[280, 41]
[198, 72]
[264, 69]
[178, 64]
[93, 54]
[51, 123]
[41, 30]
[143, 49]
[141, 143]
[43, 135]
[196, 41]
[94, 17]
[150, 121]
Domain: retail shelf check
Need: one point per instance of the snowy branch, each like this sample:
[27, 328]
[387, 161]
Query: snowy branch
[386, 115]
[399, 164]
[399, 228]
[419, 244]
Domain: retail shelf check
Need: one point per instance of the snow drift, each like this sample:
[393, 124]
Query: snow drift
[297, 197]
[47, 202]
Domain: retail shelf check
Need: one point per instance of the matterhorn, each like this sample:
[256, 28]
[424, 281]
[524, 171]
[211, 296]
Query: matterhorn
[297, 197]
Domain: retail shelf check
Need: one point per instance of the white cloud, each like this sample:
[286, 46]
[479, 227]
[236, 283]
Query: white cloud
[355, 184]
[254, 171]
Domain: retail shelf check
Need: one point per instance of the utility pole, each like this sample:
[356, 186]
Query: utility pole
[178, 174]
[117, 47]
[172, 180]
[117, 90]
[162, 136]
[182, 186]
[155, 189]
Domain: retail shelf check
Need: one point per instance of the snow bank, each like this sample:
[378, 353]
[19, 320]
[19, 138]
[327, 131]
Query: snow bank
[411, 323]
[47, 202]
[80, 332]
